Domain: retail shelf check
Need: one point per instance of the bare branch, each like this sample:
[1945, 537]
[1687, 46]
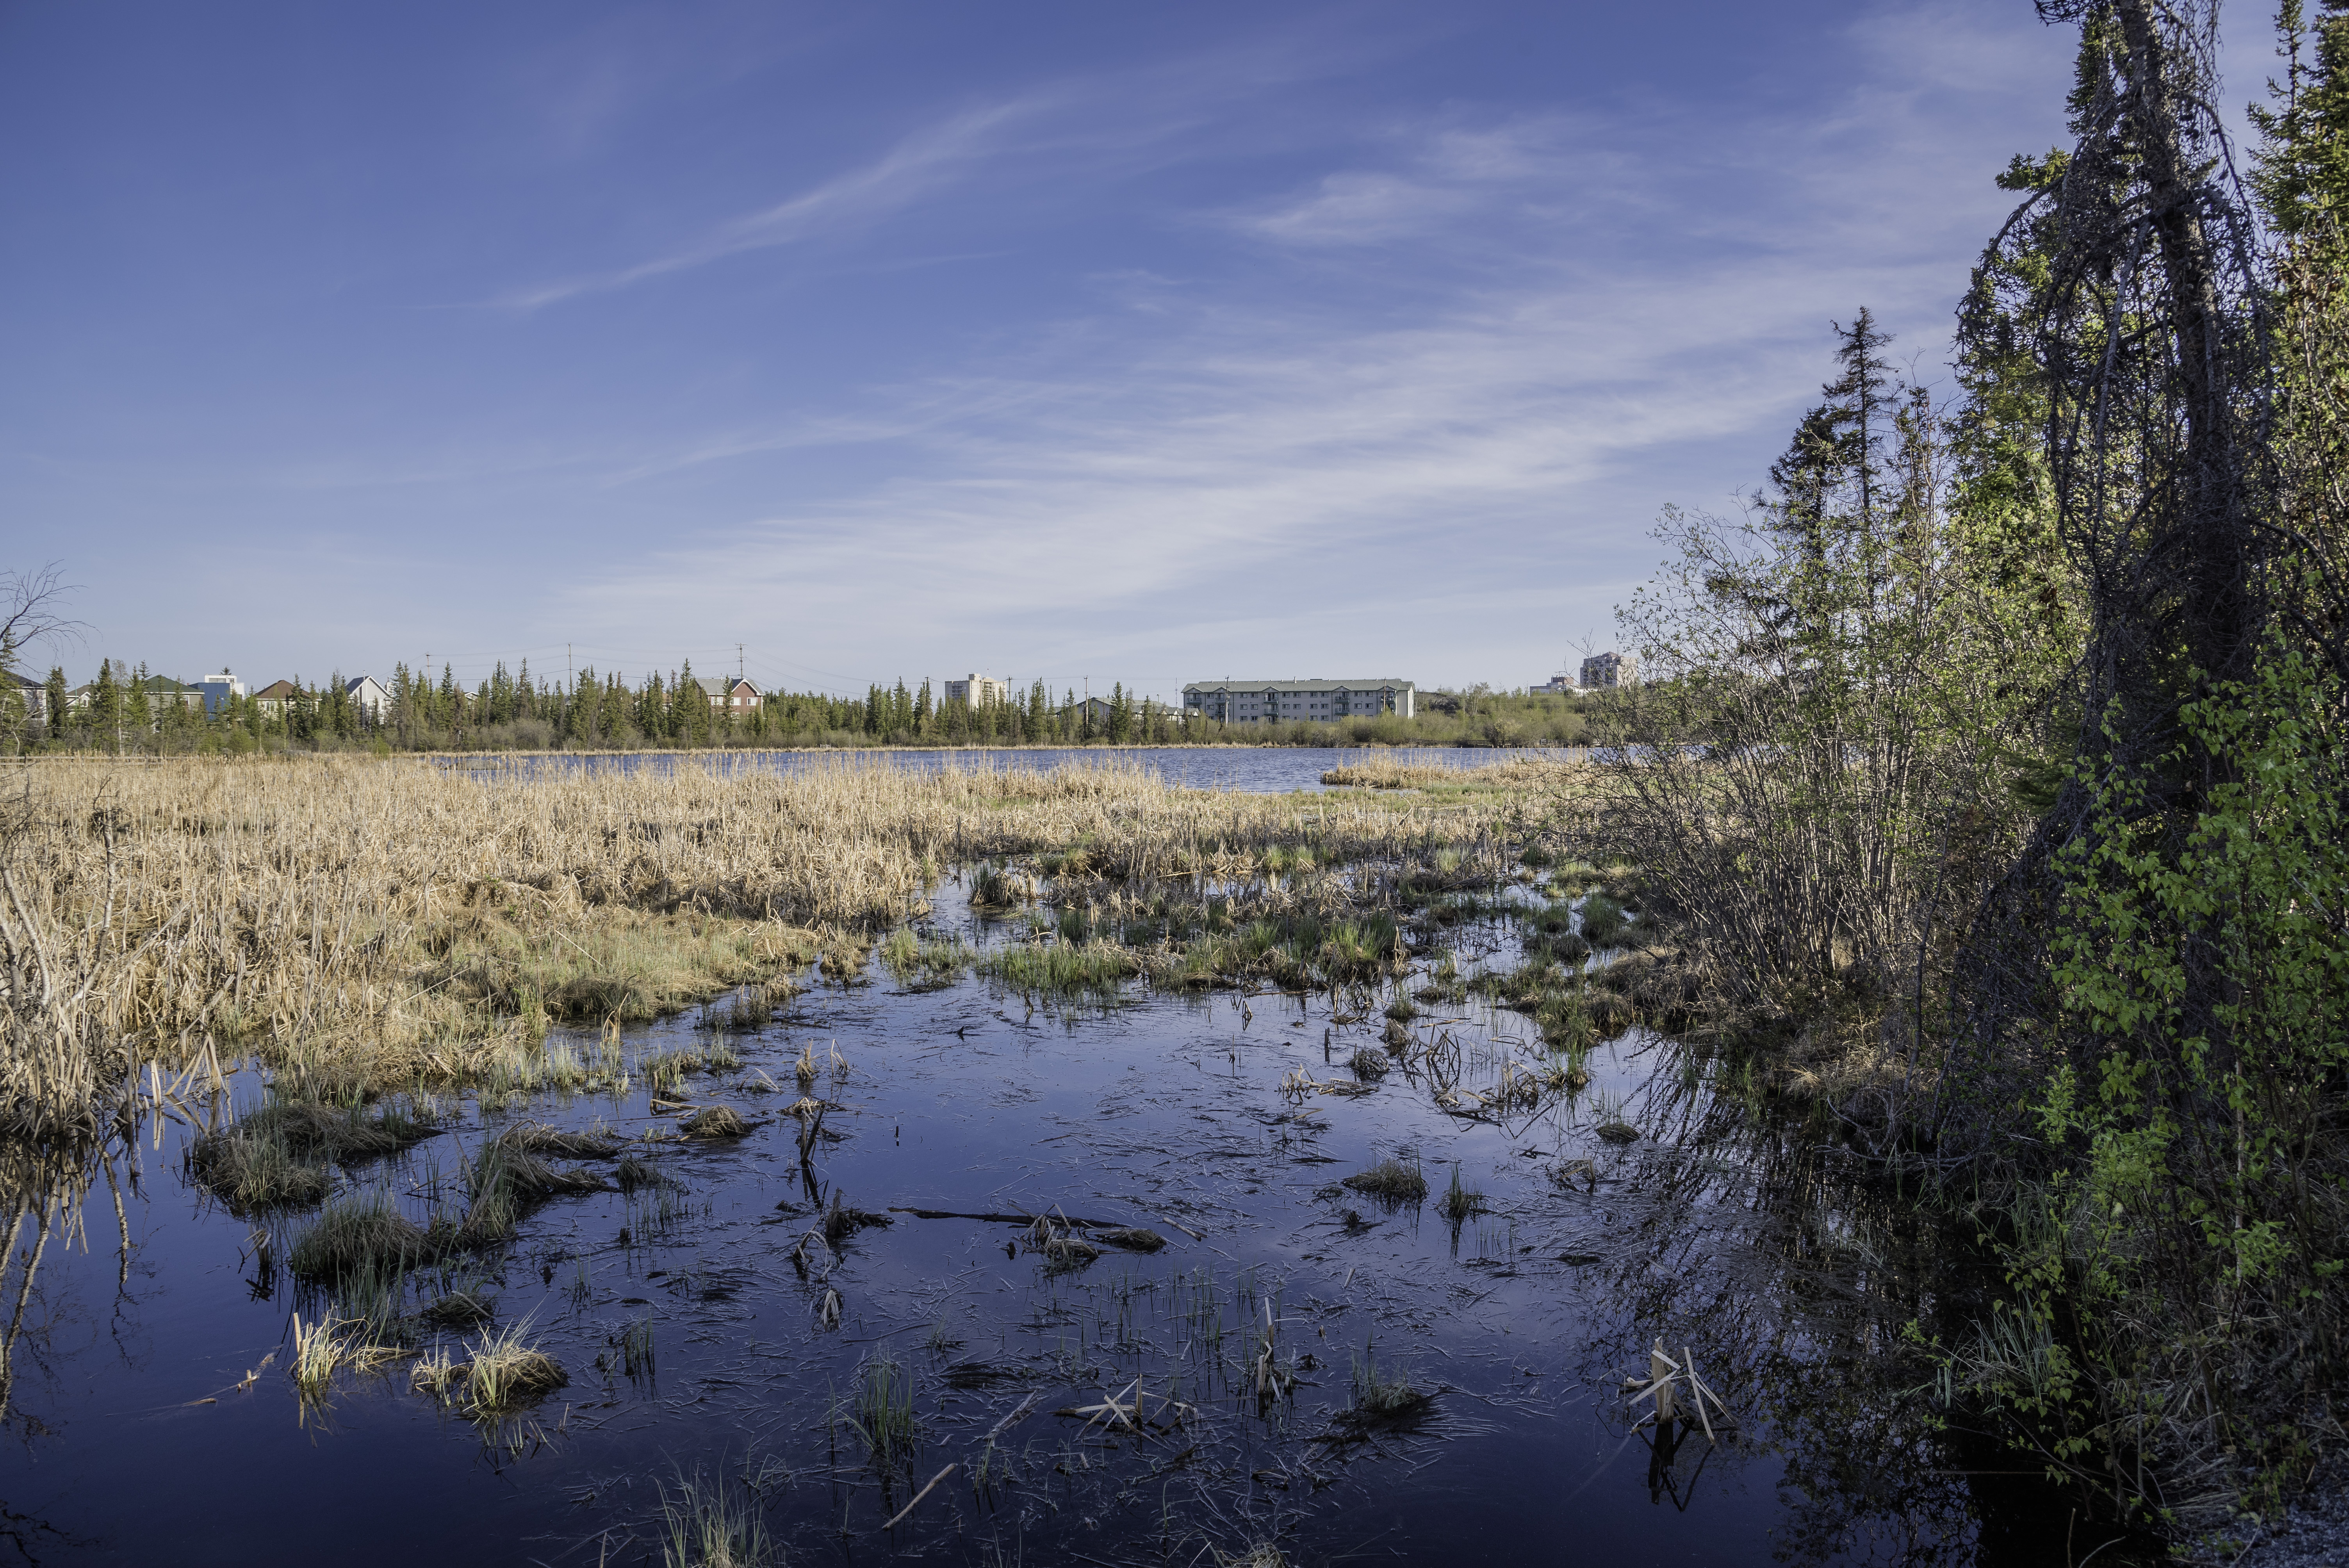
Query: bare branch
[32, 610]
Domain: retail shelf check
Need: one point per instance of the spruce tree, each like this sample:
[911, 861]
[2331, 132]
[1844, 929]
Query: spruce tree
[2302, 173]
[105, 707]
[137, 715]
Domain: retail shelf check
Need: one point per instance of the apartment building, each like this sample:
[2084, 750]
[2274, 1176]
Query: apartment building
[1609, 670]
[974, 690]
[1278, 702]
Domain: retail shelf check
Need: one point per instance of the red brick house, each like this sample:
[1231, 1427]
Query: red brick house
[732, 695]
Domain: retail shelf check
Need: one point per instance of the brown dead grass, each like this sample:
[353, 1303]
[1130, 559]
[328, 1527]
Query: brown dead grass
[389, 923]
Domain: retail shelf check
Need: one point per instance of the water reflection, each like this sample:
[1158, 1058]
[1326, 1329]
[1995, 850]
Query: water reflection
[1768, 1256]
[1104, 1405]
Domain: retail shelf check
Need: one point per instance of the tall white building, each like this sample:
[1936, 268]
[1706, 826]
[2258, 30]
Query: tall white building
[1278, 702]
[1611, 670]
[977, 690]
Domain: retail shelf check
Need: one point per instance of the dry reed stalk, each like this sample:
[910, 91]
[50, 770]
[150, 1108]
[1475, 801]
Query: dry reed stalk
[380, 923]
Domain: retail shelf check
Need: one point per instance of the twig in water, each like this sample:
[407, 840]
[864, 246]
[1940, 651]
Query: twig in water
[923, 1494]
[1019, 1413]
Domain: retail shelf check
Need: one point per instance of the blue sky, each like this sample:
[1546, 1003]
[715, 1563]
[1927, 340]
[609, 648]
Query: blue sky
[1109, 341]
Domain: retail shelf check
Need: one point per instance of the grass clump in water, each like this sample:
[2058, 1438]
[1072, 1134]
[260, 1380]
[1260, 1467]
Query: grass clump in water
[712, 1122]
[504, 1182]
[843, 1220]
[256, 1168]
[920, 964]
[1566, 1070]
[668, 1069]
[881, 1413]
[466, 1307]
[753, 1008]
[632, 1173]
[711, 1521]
[503, 1374]
[1383, 1398]
[598, 1142]
[1390, 1182]
[1603, 920]
[1460, 1204]
[999, 887]
[1065, 969]
[1610, 1121]
[318, 1349]
[637, 1347]
[362, 1233]
[372, 1300]
[279, 1154]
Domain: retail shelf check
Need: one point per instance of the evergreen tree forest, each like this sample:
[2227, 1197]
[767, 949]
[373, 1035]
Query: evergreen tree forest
[1990, 779]
[125, 710]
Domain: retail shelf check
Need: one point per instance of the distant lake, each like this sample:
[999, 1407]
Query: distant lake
[1261, 771]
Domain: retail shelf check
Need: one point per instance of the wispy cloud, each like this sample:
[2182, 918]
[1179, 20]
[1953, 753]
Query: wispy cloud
[1309, 359]
[1312, 453]
[849, 202]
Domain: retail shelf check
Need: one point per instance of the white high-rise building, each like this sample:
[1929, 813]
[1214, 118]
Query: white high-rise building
[977, 690]
[1611, 670]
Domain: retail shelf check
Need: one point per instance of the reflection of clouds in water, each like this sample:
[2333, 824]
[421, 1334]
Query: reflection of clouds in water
[1164, 1114]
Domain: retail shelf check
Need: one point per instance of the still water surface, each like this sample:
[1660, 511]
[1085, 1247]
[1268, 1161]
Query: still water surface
[139, 1435]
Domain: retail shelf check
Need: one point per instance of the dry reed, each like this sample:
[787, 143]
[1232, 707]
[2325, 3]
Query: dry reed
[385, 922]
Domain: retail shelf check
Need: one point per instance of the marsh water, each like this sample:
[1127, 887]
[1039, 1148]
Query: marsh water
[1118, 1410]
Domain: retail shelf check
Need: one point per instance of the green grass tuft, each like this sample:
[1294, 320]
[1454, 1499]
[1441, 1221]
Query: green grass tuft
[1390, 1182]
[881, 1413]
[1460, 1204]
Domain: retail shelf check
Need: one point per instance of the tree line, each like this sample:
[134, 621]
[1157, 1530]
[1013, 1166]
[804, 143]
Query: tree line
[128, 710]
